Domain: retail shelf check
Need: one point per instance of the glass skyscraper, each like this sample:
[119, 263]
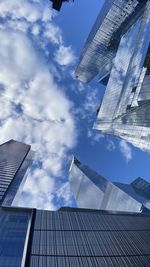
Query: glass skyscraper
[15, 158]
[118, 50]
[92, 191]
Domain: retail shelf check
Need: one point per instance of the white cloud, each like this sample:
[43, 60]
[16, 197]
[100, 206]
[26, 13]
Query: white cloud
[125, 150]
[34, 109]
[35, 29]
[94, 136]
[53, 33]
[91, 100]
[30, 10]
[64, 56]
[110, 145]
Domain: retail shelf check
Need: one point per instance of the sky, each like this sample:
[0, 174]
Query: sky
[42, 104]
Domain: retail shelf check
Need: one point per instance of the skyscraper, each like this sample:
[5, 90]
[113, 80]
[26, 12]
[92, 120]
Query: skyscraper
[15, 223]
[118, 50]
[15, 158]
[92, 191]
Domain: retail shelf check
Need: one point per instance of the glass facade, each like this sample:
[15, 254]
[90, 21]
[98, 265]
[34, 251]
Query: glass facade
[73, 237]
[15, 158]
[13, 230]
[114, 20]
[76, 237]
[118, 49]
[93, 191]
[125, 108]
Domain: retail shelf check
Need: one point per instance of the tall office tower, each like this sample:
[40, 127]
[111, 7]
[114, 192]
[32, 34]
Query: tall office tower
[15, 158]
[118, 50]
[73, 237]
[92, 191]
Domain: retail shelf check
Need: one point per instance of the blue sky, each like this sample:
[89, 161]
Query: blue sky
[43, 105]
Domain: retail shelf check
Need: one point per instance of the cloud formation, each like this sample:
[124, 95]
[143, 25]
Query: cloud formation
[110, 145]
[125, 150]
[95, 136]
[64, 56]
[34, 108]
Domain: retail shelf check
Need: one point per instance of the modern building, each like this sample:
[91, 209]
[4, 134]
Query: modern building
[15, 158]
[73, 237]
[118, 50]
[93, 191]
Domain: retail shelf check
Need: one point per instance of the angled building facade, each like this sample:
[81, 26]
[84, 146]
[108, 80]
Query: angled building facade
[118, 50]
[92, 191]
[15, 158]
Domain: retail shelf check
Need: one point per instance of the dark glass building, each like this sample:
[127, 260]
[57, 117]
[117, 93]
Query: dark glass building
[76, 237]
[73, 238]
[93, 191]
[15, 158]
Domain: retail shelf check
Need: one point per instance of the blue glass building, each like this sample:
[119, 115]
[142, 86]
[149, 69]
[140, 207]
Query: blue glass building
[92, 191]
[118, 50]
[15, 158]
